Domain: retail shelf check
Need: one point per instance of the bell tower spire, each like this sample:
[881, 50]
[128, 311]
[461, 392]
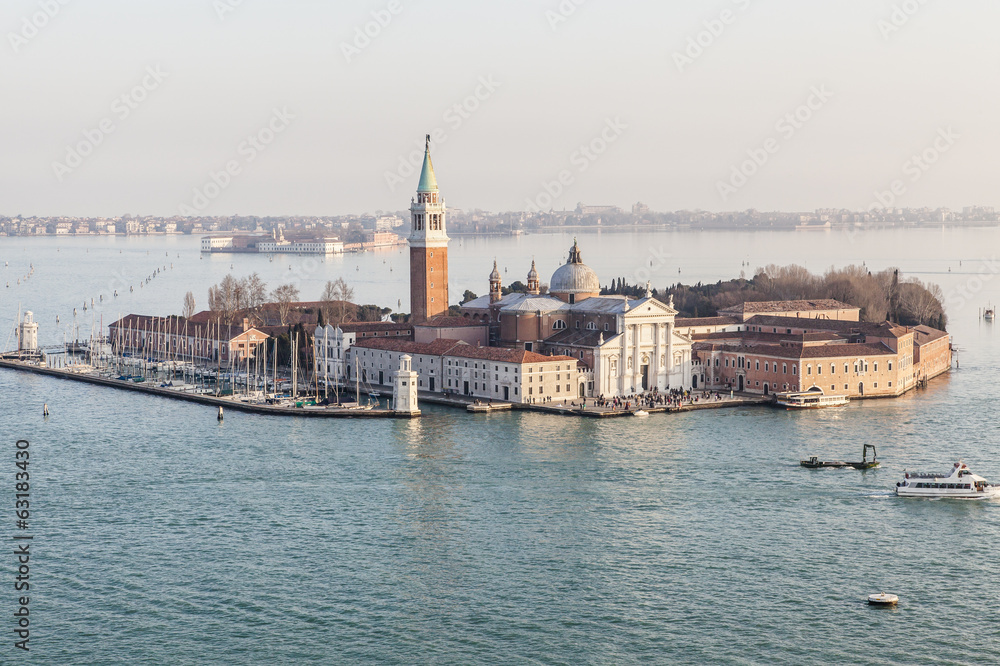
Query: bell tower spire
[428, 246]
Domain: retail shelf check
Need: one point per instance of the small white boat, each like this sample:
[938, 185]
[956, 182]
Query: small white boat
[960, 483]
[640, 412]
[883, 599]
[814, 398]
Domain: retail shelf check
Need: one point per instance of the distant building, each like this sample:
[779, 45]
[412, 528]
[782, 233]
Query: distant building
[380, 239]
[212, 243]
[388, 222]
[315, 246]
[582, 209]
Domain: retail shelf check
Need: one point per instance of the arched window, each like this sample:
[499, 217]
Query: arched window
[558, 325]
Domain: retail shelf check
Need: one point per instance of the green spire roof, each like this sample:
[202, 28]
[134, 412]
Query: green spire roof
[428, 183]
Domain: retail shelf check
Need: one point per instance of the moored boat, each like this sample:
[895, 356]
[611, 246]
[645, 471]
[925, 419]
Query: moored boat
[814, 398]
[960, 483]
[815, 463]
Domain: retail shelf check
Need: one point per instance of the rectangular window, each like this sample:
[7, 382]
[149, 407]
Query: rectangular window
[795, 369]
[890, 366]
[809, 369]
[876, 367]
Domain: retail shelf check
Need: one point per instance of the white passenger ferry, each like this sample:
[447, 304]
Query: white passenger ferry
[961, 483]
[814, 398]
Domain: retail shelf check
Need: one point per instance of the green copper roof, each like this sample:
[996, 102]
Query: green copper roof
[428, 183]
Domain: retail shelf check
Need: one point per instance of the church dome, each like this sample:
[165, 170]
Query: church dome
[575, 277]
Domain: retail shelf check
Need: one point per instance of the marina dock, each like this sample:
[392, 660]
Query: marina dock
[204, 399]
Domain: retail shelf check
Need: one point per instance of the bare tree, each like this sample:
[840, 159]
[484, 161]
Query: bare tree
[337, 301]
[283, 297]
[255, 292]
[223, 299]
[189, 305]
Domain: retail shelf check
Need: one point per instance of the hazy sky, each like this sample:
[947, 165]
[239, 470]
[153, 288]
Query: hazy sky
[887, 80]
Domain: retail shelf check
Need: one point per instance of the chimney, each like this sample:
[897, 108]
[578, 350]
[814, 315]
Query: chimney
[246, 324]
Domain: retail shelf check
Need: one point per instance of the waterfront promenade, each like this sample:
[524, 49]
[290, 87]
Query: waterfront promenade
[575, 408]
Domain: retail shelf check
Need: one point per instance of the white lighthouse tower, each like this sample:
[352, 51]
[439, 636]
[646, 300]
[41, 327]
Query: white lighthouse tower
[27, 334]
[404, 389]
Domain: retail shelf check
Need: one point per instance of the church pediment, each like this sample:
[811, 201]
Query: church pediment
[648, 308]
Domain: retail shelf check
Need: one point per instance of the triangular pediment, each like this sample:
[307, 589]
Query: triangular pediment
[649, 307]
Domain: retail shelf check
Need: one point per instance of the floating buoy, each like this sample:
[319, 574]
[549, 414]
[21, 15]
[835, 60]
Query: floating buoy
[882, 599]
[220, 412]
[45, 409]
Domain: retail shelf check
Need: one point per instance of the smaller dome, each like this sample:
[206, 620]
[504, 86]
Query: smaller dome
[533, 273]
[495, 275]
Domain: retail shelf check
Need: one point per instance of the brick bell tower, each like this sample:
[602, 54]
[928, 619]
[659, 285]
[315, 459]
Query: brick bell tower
[428, 247]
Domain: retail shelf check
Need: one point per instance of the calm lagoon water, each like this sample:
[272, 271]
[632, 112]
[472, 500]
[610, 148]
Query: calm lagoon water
[163, 537]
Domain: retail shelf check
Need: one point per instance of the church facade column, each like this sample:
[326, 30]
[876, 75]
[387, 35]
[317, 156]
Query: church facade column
[656, 369]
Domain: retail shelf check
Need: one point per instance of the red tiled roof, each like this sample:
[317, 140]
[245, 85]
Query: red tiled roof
[799, 351]
[436, 348]
[788, 306]
[681, 322]
[445, 321]
[925, 334]
[457, 348]
[369, 326]
[504, 355]
[850, 350]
